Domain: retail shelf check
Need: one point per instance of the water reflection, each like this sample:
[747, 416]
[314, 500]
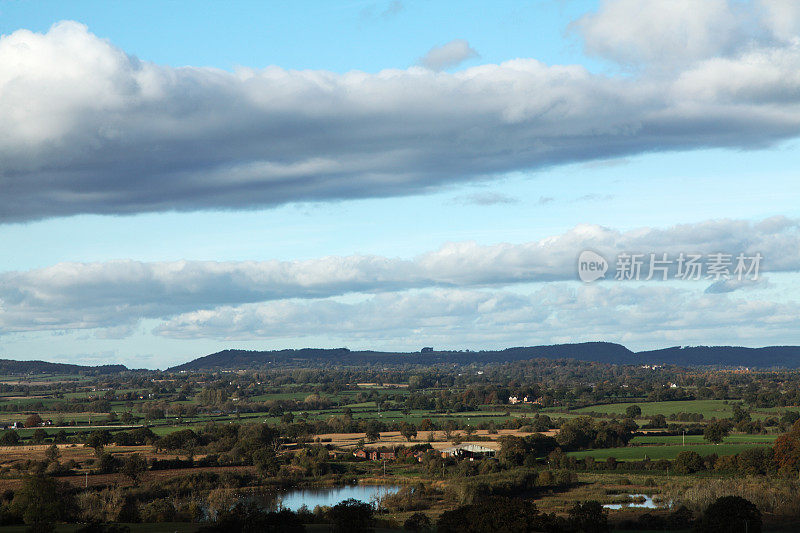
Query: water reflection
[637, 501]
[330, 496]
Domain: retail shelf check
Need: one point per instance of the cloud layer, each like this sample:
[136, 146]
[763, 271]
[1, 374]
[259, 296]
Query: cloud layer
[88, 128]
[117, 294]
[651, 315]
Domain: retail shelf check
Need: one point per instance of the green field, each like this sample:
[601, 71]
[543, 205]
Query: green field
[299, 396]
[638, 453]
[698, 439]
[43, 377]
[708, 408]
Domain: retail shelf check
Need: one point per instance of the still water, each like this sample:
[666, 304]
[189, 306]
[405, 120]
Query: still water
[636, 502]
[330, 496]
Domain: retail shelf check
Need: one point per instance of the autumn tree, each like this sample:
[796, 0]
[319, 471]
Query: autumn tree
[39, 436]
[715, 432]
[9, 438]
[33, 421]
[688, 462]
[133, 466]
[52, 454]
[633, 411]
[787, 450]
[373, 431]
[43, 500]
[408, 431]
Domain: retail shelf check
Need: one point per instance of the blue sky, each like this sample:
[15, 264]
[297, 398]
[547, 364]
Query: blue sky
[337, 36]
[192, 176]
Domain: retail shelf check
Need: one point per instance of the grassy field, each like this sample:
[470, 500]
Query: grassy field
[43, 379]
[698, 439]
[708, 408]
[638, 453]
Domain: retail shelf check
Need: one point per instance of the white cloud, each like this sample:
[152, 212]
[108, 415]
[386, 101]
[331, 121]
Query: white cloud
[665, 35]
[652, 316]
[661, 32]
[117, 294]
[781, 18]
[448, 55]
[127, 136]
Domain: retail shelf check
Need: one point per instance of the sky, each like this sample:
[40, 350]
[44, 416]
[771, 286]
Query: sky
[184, 177]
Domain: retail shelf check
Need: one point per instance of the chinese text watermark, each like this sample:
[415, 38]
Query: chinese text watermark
[663, 266]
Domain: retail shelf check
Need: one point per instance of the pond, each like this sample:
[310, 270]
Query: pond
[637, 501]
[330, 496]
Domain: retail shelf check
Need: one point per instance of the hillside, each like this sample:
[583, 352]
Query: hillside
[238, 359]
[12, 367]
[603, 352]
[769, 356]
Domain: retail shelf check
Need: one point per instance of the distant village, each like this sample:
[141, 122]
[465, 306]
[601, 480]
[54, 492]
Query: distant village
[462, 451]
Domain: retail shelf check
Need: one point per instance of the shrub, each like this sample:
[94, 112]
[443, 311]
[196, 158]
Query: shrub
[511, 515]
[417, 522]
[731, 514]
[589, 517]
[351, 516]
[250, 518]
[42, 500]
[688, 462]
[158, 510]
[9, 438]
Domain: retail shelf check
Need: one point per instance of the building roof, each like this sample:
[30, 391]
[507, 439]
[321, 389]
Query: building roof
[472, 448]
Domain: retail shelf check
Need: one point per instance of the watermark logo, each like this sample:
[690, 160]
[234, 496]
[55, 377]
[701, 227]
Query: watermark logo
[591, 266]
[663, 266]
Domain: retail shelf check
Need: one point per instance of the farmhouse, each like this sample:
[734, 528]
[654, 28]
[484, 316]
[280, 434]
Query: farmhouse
[470, 451]
[376, 454]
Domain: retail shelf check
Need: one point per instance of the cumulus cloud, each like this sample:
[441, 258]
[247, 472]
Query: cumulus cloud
[117, 294]
[88, 128]
[661, 33]
[555, 313]
[448, 55]
[781, 18]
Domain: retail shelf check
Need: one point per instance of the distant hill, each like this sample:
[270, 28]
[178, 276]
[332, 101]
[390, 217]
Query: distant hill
[602, 352]
[12, 367]
[769, 356]
[241, 359]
